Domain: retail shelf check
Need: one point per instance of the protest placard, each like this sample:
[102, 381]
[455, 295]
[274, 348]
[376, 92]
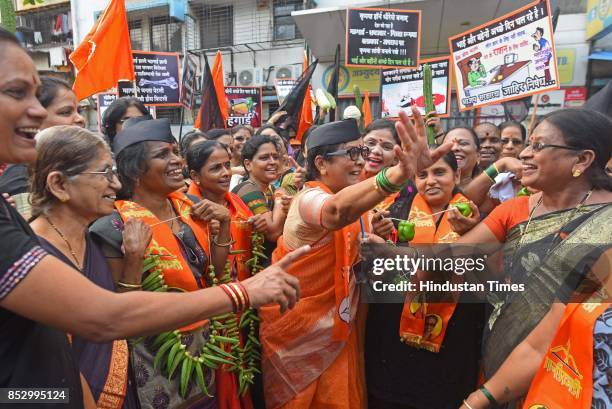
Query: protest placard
[385, 38]
[508, 58]
[402, 88]
[283, 88]
[188, 83]
[104, 100]
[157, 79]
[244, 106]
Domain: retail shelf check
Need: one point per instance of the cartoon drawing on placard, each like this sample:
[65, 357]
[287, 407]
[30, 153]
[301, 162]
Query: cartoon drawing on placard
[542, 52]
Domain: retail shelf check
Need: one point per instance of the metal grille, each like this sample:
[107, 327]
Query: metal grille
[136, 33]
[44, 28]
[166, 35]
[216, 26]
[284, 25]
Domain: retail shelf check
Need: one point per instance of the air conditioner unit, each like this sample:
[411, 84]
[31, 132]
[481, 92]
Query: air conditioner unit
[250, 77]
[288, 71]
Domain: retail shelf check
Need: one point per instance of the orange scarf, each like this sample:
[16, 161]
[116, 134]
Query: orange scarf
[303, 344]
[423, 324]
[565, 379]
[240, 230]
[164, 245]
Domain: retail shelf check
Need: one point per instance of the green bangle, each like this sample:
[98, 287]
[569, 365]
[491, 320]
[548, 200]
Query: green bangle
[383, 184]
[392, 187]
[488, 395]
[492, 172]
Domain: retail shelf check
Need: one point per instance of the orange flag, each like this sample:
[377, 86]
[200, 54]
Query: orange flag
[306, 114]
[365, 108]
[219, 83]
[105, 55]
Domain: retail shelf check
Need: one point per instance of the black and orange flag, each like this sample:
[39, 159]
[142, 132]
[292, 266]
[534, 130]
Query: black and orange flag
[105, 55]
[332, 87]
[210, 114]
[305, 120]
[294, 102]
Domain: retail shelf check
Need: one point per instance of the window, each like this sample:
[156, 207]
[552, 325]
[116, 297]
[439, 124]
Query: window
[166, 35]
[217, 26]
[135, 27]
[284, 25]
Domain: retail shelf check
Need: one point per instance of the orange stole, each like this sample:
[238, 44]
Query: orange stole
[240, 230]
[115, 387]
[417, 312]
[166, 248]
[565, 378]
[312, 349]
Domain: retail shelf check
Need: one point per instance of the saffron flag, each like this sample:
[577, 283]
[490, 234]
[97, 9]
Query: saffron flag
[209, 115]
[366, 110]
[219, 83]
[105, 55]
[306, 114]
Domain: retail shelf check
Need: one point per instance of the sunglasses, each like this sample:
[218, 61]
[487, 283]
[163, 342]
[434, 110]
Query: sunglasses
[353, 153]
[110, 174]
[539, 146]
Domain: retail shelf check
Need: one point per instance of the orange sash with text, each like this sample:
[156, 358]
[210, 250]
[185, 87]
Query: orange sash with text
[565, 378]
[166, 248]
[424, 324]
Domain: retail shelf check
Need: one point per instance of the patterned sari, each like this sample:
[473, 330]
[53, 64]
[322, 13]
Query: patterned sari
[552, 259]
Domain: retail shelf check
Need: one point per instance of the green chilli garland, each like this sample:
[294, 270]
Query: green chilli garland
[221, 349]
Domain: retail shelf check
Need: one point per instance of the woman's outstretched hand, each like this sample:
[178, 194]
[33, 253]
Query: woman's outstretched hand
[414, 153]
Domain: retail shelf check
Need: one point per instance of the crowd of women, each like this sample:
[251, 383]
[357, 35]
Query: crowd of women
[222, 271]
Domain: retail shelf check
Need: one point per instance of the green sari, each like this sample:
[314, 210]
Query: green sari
[553, 259]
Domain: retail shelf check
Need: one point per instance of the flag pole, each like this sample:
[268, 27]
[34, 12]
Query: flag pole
[182, 120]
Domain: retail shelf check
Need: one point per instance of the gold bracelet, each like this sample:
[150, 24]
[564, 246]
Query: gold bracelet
[228, 244]
[130, 286]
[238, 291]
[467, 404]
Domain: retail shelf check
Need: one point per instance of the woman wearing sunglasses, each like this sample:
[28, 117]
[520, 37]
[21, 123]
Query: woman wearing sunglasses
[312, 357]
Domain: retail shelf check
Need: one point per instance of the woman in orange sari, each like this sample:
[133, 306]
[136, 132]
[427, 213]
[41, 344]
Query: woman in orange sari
[312, 356]
[181, 244]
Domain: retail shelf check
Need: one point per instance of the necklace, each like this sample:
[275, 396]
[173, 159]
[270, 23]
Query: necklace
[59, 233]
[567, 220]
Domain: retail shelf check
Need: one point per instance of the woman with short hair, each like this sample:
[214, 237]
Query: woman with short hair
[120, 111]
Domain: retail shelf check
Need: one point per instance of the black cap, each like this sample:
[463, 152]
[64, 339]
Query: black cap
[334, 133]
[139, 130]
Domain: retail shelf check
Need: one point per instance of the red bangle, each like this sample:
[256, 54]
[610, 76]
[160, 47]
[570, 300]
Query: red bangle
[240, 294]
[246, 294]
[233, 297]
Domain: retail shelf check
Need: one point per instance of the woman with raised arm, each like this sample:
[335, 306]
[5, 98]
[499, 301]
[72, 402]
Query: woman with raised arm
[42, 298]
[313, 357]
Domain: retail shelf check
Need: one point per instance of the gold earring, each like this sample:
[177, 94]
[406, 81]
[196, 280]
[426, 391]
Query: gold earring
[323, 172]
[577, 173]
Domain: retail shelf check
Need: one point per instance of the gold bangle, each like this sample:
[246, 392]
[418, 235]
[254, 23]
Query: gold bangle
[238, 291]
[232, 295]
[228, 244]
[130, 286]
[467, 404]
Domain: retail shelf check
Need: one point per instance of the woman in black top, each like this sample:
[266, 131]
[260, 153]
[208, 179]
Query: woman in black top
[39, 293]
